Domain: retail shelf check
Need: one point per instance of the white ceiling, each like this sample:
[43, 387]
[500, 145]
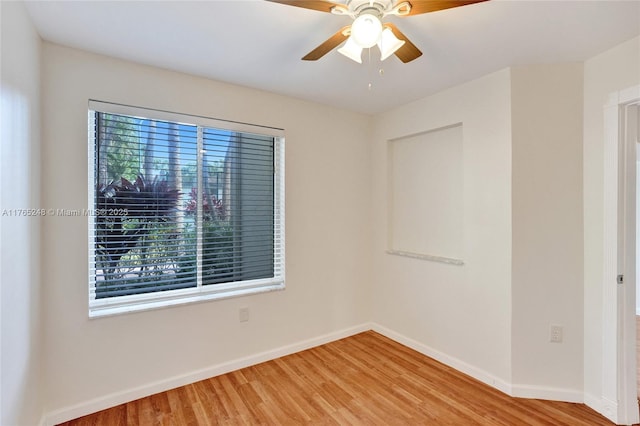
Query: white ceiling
[259, 44]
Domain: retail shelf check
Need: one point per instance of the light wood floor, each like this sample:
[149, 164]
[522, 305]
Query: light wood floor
[365, 379]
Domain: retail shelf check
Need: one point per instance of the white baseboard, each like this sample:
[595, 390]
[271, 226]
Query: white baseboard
[549, 393]
[459, 365]
[604, 406]
[121, 397]
[520, 391]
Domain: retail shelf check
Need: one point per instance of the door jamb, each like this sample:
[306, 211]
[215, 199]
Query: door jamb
[619, 395]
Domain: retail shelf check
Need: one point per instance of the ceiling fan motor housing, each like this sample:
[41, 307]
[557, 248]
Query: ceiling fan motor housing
[378, 8]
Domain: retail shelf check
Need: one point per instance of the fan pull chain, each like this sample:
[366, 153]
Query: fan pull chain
[370, 72]
[369, 68]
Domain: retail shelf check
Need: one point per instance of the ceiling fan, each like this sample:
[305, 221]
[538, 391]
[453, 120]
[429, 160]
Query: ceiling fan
[367, 28]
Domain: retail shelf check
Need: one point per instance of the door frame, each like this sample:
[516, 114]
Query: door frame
[619, 387]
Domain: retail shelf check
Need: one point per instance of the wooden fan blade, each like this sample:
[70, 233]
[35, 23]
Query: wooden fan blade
[331, 43]
[426, 6]
[322, 6]
[408, 52]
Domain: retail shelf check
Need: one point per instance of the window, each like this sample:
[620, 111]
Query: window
[181, 209]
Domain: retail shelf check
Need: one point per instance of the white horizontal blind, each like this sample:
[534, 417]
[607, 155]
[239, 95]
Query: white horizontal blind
[181, 210]
[238, 216]
[145, 238]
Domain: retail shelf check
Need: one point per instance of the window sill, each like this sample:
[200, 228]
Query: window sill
[106, 307]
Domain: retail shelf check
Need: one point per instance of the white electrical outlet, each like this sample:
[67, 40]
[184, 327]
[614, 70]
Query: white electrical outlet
[555, 334]
[244, 314]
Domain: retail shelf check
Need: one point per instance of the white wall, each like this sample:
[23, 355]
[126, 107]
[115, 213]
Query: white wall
[547, 266]
[20, 330]
[522, 210]
[327, 231]
[613, 70]
[461, 314]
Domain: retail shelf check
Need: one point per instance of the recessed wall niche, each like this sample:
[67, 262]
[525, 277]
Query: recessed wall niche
[425, 199]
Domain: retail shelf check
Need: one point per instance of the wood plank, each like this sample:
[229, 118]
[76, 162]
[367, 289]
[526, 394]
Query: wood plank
[363, 379]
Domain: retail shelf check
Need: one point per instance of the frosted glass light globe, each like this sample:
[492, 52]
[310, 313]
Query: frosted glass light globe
[351, 50]
[366, 30]
[388, 44]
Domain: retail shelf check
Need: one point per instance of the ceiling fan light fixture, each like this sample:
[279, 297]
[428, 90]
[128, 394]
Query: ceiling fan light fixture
[352, 50]
[367, 27]
[388, 43]
[366, 30]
